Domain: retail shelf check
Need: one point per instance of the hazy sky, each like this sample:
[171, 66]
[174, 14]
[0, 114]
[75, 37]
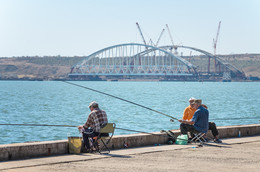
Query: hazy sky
[81, 27]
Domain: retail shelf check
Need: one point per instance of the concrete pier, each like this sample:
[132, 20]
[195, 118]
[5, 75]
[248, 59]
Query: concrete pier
[234, 154]
[50, 148]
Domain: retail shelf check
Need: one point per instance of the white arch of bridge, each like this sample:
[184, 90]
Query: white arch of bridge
[133, 59]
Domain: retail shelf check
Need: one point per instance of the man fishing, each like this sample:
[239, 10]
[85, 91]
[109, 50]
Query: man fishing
[199, 121]
[96, 119]
[188, 114]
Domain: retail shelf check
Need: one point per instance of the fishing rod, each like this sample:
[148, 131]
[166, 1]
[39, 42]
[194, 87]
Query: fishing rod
[41, 125]
[120, 99]
[47, 125]
[140, 132]
[229, 119]
[225, 119]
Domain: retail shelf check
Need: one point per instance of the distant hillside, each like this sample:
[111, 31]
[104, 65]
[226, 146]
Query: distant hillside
[57, 67]
[248, 63]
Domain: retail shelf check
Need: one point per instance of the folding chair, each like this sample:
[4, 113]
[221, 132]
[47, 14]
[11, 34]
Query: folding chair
[198, 138]
[104, 137]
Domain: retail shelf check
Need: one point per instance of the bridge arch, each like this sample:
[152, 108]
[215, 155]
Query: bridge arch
[219, 66]
[133, 59]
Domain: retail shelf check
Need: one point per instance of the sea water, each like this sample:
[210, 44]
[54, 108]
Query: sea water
[59, 103]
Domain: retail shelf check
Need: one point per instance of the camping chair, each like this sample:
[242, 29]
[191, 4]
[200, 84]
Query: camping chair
[104, 137]
[198, 138]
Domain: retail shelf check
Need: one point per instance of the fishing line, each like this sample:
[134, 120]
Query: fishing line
[42, 125]
[140, 132]
[47, 125]
[120, 99]
[225, 119]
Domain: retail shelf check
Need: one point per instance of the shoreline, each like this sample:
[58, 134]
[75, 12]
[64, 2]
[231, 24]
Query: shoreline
[49, 148]
[130, 80]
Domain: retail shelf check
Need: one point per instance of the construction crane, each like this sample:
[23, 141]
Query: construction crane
[175, 48]
[141, 33]
[215, 45]
[159, 38]
[216, 40]
[151, 42]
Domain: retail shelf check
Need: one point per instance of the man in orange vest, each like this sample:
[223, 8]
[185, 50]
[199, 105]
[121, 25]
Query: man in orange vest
[188, 114]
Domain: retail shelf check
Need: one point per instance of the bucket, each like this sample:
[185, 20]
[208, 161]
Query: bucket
[182, 139]
[75, 144]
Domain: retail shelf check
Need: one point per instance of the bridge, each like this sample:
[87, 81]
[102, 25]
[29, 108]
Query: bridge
[215, 66]
[133, 60]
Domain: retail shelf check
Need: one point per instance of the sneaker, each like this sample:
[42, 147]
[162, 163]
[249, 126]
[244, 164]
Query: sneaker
[217, 141]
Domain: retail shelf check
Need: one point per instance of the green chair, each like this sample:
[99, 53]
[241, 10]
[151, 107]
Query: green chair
[106, 133]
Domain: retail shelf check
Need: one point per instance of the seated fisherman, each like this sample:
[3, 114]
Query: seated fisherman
[213, 128]
[188, 114]
[199, 121]
[91, 128]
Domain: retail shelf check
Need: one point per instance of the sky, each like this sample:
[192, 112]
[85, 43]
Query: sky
[82, 27]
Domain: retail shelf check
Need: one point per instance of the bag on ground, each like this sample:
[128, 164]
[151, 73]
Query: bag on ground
[75, 144]
[182, 139]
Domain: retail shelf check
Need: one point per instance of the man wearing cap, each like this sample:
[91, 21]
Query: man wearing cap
[199, 121]
[190, 110]
[188, 114]
[96, 119]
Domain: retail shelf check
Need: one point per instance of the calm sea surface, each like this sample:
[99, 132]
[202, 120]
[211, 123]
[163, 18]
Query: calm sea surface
[59, 103]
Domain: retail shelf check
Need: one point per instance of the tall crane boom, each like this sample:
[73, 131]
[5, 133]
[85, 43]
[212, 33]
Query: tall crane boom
[141, 33]
[170, 34]
[175, 47]
[216, 40]
[159, 38]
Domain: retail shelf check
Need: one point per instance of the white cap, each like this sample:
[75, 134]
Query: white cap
[192, 98]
